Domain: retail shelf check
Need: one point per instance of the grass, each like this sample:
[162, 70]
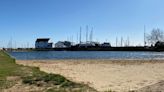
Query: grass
[7, 68]
[33, 76]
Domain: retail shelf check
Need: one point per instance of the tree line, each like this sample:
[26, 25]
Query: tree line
[156, 35]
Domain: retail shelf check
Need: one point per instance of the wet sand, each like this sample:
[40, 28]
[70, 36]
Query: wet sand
[105, 75]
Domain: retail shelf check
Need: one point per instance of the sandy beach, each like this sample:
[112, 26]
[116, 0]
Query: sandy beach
[105, 75]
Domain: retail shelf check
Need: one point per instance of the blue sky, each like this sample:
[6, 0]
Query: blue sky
[25, 20]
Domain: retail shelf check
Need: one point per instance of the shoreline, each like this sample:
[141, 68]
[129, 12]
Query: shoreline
[104, 75]
[99, 61]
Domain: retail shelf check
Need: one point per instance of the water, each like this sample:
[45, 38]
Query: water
[38, 55]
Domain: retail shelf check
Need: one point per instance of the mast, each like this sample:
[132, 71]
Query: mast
[77, 38]
[116, 41]
[80, 35]
[86, 33]
[144, 35]
[128, 41]
[91, 35]
[121, 41]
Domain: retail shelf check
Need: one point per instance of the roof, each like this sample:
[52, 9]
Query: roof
[42, 39]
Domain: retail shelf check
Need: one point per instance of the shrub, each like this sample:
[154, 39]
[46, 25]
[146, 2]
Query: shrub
[54, 78]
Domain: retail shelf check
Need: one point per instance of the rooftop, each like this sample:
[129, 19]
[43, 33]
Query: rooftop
[42, 39]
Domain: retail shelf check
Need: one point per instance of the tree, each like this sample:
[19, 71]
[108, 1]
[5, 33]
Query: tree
[155, 36]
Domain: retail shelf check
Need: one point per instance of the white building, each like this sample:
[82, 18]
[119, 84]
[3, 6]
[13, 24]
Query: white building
[89, 44]
[43, 43]
[63, 44]
[106, 44]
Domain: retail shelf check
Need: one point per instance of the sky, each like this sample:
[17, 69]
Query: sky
[23, 21]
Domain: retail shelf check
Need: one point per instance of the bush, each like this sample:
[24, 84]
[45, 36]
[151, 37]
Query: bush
[47, 78]
[28, 80]
[54, 78]
[70, 84]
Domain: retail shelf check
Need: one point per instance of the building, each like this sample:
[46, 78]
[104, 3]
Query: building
[63, 44]
[89, 44]
[106, 44]
[43, 43]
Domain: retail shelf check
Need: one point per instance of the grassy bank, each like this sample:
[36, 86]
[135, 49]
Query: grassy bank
[11, 74]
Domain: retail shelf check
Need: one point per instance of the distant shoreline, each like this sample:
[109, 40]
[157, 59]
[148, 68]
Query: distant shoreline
[132, 48]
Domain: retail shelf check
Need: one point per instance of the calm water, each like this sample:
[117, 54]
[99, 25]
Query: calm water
[36, 55]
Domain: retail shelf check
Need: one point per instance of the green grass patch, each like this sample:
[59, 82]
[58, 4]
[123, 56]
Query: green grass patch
[55, 80]
[8, 68]
[33, 76]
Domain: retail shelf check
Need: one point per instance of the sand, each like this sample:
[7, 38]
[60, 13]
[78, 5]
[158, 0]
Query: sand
[105, 75]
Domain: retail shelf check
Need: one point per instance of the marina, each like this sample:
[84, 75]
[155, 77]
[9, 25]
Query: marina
[82, 46]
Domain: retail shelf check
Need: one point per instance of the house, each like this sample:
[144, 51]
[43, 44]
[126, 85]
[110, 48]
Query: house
[43, 43]
[63, 44]
[89, 44]
[106, 44]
